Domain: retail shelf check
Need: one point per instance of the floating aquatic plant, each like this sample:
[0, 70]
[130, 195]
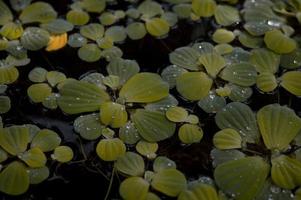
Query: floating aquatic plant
[25, 147]
[131, 108]
[277, 126]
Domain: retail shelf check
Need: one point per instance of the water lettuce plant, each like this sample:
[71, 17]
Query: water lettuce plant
[23, 156]
[263, 149]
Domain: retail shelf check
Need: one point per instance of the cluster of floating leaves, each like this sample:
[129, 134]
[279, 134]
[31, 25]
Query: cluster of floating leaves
[128, 112]
[25, 152]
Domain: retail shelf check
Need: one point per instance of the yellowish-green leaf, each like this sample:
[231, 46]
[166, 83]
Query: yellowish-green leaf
[11, 30]
[38, 12]
[34, 157]
[147, 149]
[265, 61]
[110, 149]
[6, 15]
[266, 82]
[213, 63]
[134, 188]
[170, 182]
[176, 114]
[291, 82]
[286, 172]
[62, 154]
[190, 133]
[157, 27]
[153, 126]
[35, 38]
[278, 125]
[38, 92]
[226, 15]
[8, 75]
[131, 164]
[200, 191]
[113, 114]
[47, 140]
[79, 96]
[38, 175]
[92, 31]
[152, 89]
[203, 8]
[223, 36]
[278, 42]
[78, 17]
[194, 85]
[14, 139]
[227, 139]
[14, 179]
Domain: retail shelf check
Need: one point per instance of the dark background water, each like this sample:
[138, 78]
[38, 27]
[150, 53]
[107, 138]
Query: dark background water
[87, 177]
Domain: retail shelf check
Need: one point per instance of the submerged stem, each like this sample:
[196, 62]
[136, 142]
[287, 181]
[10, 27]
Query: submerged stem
[110, 185]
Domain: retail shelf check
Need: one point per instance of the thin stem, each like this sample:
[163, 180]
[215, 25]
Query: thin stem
[110, 185]
[82, 149]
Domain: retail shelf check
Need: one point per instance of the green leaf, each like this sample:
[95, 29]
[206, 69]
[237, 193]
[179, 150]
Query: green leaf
[213, 63]
[171, 73]
[34, 38]
[3, 155]
[129, 134]
[11, 30]
[116, 33]
[95, 6]
[190, 133]
[50, 102]
[241, 118]
[176, 114]
[242, 178]
[239, 93]
[223, 36]
[162, 163]
[203, 8]
[171, 18]
[57, 26]
[131, 164]
[170, 182]
[243, 74]
[212, 103]
[14, 179]
[265, 61]
[147, 149]
[291, 82]
[199, 192]
[55, 77]
[266, 82]
[5, 104]
[38, 175]
[110, 149]
[136, 30]
[123, 68]
[76, 40]
[194, 85]
[163, 104]
[34, 157]
[153, 126]
[37, 75]
[89, 53]
[278, 42]
[47, 140]
[88, 126]
[223, 156]
[185, 57]
[8, 74]
[79, 96]
[152, 89]
[157, 27]
[77, 17]
[286, 172]
[226, 15]
[14, 139]
[113, 114]
[227, 139]
[6, 15]
[278, 125]
[38, 92]
[111, 53]
[62, 154]
[183, 10]
[134, 188]
[250, 41]
[92, 31]
[150, 9]
[291, 60]
[38, 12]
